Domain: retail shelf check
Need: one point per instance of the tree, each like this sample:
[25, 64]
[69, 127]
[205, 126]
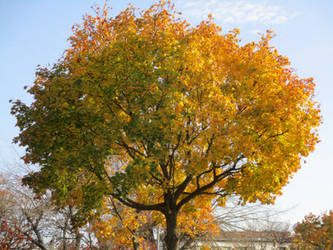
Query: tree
[28, 222]
[146, 104]
[120, 225]
[315, 232]
[24, 214]
[11, 236]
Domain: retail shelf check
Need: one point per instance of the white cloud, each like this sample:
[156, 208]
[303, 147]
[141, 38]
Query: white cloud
[236, 11]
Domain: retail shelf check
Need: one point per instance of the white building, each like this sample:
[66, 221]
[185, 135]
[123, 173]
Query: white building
[248, 240]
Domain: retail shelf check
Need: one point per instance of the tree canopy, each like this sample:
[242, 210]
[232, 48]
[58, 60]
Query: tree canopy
[315, 232]
[153, 112]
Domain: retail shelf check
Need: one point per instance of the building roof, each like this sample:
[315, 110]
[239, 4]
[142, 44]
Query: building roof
[255, 236]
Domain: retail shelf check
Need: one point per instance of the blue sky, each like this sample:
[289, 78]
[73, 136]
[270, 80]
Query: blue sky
[35, 32]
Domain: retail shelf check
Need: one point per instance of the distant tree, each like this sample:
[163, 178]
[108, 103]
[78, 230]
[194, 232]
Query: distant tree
[11, 237]
[315, 232]
[35, 222]
[190, 113]
[23, 214]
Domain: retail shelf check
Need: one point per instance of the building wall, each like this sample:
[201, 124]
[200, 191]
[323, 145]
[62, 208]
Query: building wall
[223, 245]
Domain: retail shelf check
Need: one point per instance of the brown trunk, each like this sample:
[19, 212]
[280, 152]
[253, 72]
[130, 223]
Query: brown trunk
[77, 239]
[171, 238]
[135, 244]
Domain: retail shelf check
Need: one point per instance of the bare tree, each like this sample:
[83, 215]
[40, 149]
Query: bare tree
[246, 226]
[37, 222]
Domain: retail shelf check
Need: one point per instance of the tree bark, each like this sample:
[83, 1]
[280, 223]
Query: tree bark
[171, 238]
[78, 237]
[135, 244]
[64, 243]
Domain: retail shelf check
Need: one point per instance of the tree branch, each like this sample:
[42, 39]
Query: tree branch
[182, 187]
[139, 206]
[216, 179]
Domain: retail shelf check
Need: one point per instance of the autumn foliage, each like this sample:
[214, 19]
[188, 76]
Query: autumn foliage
[315, 232]
[157, 114]
[120, 225]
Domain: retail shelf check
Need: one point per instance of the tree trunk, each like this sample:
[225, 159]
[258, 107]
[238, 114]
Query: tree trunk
[77, 239]
[64, 243]
[171, 238]
[135, 244]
